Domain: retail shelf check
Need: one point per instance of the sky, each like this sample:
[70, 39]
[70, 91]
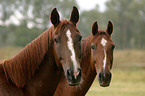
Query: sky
[90, 4]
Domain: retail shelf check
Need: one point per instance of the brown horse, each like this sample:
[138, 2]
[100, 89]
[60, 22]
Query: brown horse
[37, 68]
[97, 59]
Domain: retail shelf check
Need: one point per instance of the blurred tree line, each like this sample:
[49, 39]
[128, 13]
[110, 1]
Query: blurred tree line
[32, 18]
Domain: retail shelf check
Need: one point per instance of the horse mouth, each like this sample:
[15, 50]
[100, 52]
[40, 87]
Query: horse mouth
[73, 84]
[104, 85]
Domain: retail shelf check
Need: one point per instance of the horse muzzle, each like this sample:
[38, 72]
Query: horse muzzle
[73, 79]
[104, 79]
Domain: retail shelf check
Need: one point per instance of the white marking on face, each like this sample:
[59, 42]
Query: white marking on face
[104, 42]
[71, 48]
[105, 59]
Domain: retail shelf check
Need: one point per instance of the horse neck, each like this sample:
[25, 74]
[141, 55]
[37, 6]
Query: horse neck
[86, 52]
[88, 74]
[46, 80]
[22, 67]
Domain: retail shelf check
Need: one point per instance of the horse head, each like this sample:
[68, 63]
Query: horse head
[67, 45]
[102, 53]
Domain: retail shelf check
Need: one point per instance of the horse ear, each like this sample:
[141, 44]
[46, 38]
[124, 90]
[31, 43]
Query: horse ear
[95, 28]
[109, 28]
[74, 18]
[54, 17]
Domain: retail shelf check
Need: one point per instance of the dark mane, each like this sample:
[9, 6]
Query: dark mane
[23, 66]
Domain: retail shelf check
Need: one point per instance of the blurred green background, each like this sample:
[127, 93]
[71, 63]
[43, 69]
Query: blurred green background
[23, 20]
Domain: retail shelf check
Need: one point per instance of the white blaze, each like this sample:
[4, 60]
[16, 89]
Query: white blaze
[104, 42]
[71, 48]
[105, 59]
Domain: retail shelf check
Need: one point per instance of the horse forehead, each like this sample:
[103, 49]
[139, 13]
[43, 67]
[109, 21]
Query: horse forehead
[68, 33]
[103, 41]
[71, 33]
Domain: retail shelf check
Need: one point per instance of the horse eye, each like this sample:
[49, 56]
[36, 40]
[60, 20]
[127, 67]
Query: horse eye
[113, 47]
[55, 40]
[93, 47]
[60, 58]
[80, 38]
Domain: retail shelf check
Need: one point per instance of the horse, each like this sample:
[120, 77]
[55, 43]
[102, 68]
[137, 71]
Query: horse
[37, 68]
[97, 59]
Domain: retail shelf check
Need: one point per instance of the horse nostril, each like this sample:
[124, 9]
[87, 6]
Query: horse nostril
[68, 72]
[69, 75]
[79, 70]
[79, 75]
[100, 75]
[110, 75]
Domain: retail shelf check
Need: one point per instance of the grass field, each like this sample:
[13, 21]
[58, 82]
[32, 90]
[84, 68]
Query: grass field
[128, 73]
[124, 83]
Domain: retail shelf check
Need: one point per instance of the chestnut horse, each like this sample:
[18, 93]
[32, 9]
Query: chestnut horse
[97, 59]
[37, 68]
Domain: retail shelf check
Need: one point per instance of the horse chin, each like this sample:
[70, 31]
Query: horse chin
[73, 84]
[104, 85]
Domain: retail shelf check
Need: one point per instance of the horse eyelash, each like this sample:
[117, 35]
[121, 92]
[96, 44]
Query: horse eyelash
[56, 40]
[93, 47]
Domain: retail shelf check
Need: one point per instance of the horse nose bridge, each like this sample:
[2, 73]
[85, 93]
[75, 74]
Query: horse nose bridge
[75, 65]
